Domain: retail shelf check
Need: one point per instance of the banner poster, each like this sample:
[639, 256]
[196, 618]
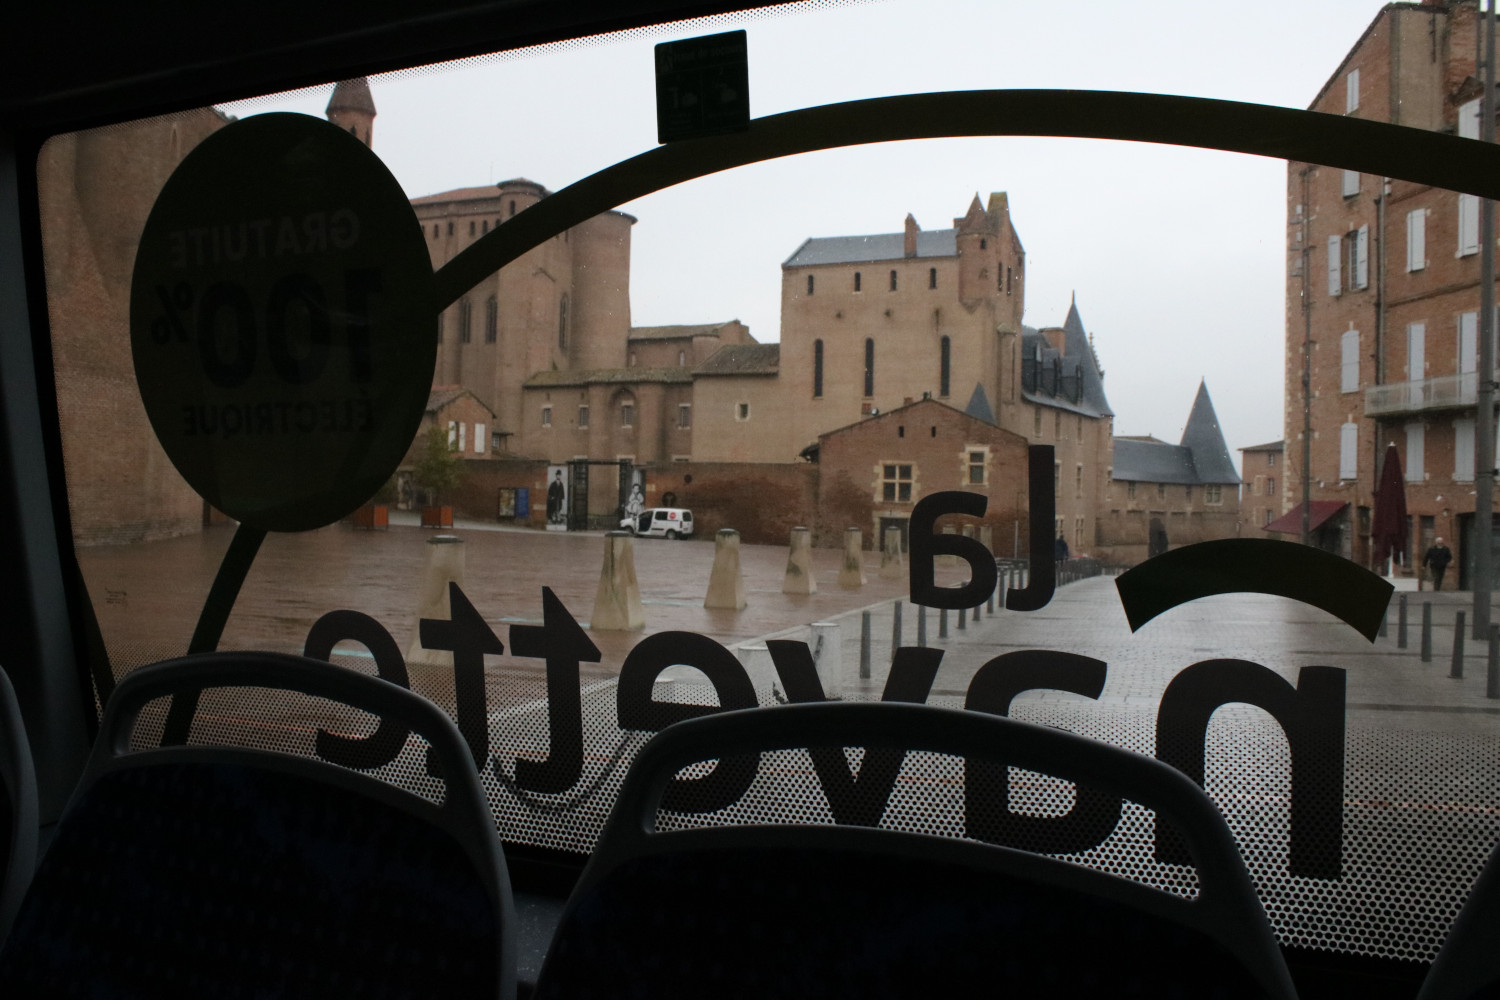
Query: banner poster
[557, 498]
[635, 501]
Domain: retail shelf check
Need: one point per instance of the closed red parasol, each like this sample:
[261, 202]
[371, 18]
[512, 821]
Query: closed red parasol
[1388, 533]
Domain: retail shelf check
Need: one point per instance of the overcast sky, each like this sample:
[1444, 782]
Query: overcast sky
[1177, 256]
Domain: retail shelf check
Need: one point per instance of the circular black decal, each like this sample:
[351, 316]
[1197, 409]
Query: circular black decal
[282, 321]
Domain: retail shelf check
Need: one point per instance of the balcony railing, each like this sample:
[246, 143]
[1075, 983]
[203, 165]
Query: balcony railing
[1446, 392]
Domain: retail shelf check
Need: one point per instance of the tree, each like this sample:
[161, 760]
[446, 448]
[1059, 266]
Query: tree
[438, 469]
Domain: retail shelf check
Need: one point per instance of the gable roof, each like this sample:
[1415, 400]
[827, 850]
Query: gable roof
[549, 379]
[1270, 446]
[1068, 380]
[445, 395]
[742, 359]
[905, 407]
[865, 249]
[678, 332]
[1153, 462]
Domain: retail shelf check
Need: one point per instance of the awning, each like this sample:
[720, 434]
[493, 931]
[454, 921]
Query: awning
[1321, 510]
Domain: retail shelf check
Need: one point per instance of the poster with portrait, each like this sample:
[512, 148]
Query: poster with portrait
[557, 498]
[635, 500]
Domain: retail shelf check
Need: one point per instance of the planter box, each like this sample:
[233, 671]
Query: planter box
[372, 516]
[437, 517]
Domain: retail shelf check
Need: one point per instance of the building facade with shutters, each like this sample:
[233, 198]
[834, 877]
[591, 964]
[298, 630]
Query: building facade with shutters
[1389, 323]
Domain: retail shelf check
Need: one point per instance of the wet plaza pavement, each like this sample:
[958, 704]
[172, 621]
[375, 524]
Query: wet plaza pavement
[1418, 810]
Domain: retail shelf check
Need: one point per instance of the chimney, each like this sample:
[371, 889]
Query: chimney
[1057, 339]
[912, 229]
[906, 401]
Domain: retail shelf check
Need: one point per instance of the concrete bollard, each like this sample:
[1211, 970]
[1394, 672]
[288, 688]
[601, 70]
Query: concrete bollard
[1456, 669]
[1385, 621]
[827, 653]
[892, 567]
[962, 616]
[1492, 673]
[1426, 632]
[921, 625]
[726, 583]
[617, 602]
[895, 625]
[1401, 622]
[852, 576]
[864, 646]
[799, 567]
[942, 623]
[986, 537]
[444, 565]
[950, 562]
[989, 605]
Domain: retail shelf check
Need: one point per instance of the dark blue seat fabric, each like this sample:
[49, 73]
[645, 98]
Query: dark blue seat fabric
[207, 871]
[203, 880]
[754, 909]
[1467, 967]
[830, 922]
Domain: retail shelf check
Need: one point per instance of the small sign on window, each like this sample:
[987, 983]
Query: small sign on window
[702, 87]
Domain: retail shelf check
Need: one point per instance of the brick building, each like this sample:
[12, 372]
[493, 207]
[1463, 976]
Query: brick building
[871, 473]
[1391, 272]
[96, 189]
[1262, 471]
[1165, 495]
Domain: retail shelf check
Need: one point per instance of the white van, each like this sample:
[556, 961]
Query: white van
[661, 522]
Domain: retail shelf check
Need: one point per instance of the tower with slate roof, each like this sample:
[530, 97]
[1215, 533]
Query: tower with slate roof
[352, 108]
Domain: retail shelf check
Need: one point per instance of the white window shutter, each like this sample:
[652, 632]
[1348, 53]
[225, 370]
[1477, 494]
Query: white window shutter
[1351, 91]
[1335, 280]
[1349, 358]
[1416, 240]
[1362, 258]
[1463, 451]
[1351, 183]
[1349, 451]
[1468, 120]
[1416, 351]
[452, 434]
[1415, 439]
[1468, 224]
[1468, 343]
[461, 428]
[479, 439]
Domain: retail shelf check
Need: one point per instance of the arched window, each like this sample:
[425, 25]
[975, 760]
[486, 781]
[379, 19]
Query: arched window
[491, 319]
[944, 365]
[562, 322]
[817, 368]
[869, 367]
[463, 322]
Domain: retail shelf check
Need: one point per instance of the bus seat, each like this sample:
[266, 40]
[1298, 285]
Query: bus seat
[1467, 966]
[191, 871]
[18, 807]
[811, 908]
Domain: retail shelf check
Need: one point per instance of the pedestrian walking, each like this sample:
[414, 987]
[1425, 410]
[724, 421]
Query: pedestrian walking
[1437, 559]
[1060, 549]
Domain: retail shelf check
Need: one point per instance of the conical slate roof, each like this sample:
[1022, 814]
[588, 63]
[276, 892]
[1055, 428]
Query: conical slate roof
[352, 95]
[979, 405]
[1205, 440]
